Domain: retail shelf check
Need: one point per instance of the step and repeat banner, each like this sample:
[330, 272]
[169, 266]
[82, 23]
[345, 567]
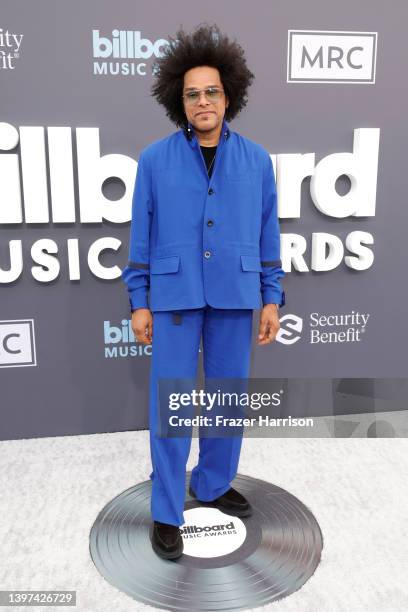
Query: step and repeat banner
[328, 102]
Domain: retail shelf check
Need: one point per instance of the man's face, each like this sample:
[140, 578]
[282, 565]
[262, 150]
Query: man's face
[205, 115]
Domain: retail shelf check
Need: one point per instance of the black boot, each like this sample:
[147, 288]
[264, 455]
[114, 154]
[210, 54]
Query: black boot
[167, 541]
[230, 502]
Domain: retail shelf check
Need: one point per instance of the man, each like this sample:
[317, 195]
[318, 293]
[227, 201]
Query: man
[204, 248]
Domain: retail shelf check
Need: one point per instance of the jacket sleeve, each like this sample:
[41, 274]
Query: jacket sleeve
[136, 274]
[271, 289]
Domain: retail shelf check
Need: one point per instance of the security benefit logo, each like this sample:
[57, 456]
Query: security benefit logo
[323, 328]
[10, 44]
[208, 532]
[17, 343]
[331, 57]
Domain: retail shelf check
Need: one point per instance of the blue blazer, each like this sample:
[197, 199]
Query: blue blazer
[196, 240]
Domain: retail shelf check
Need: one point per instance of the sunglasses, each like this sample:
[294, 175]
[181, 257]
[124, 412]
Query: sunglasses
[212, 94]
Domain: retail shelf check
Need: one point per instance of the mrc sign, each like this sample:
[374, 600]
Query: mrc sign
[24, 199]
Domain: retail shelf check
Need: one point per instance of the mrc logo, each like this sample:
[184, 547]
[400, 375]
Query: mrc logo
[17, 343]
[316, 56]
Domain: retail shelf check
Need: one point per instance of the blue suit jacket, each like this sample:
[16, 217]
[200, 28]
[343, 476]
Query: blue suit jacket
[196, 240]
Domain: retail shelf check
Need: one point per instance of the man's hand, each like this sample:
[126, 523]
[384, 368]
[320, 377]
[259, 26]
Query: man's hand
[268, 324]
[142, 325]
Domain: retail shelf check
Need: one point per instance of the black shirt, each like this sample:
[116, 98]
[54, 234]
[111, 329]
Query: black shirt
[208, 154]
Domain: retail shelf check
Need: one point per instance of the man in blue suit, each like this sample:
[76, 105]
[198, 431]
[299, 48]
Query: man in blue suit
[204, 253]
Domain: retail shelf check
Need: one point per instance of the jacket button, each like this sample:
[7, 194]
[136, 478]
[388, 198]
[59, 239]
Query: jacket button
[210, 222]
[210, 191]
[207, 254]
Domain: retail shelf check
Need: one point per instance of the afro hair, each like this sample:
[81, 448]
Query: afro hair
[205, 46]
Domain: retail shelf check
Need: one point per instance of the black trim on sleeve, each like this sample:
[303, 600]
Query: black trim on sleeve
[137, 264]
[277, 262]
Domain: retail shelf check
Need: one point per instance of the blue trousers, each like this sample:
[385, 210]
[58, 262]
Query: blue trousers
[226, 344]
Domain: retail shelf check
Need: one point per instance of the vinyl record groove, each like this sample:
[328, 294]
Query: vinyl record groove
[228, 563]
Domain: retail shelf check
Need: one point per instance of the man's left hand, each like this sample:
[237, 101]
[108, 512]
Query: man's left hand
[268, 324]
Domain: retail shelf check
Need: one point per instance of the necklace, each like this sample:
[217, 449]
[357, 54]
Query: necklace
[209, 167]
[212, 161]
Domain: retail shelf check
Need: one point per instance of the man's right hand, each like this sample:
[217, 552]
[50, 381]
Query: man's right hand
[142, 325]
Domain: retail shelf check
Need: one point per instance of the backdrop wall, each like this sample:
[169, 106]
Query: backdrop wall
[327, 102]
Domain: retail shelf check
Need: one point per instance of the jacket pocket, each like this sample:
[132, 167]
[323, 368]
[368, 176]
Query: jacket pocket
[251, 263]
[162, 265]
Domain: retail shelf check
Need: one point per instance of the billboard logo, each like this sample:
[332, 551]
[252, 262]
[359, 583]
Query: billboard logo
[17, 343]
[208, 533]
[119, 341]
[317, 56]
[124, 52]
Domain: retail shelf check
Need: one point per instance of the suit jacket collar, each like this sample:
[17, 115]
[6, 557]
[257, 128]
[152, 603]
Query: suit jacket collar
[189, 133]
